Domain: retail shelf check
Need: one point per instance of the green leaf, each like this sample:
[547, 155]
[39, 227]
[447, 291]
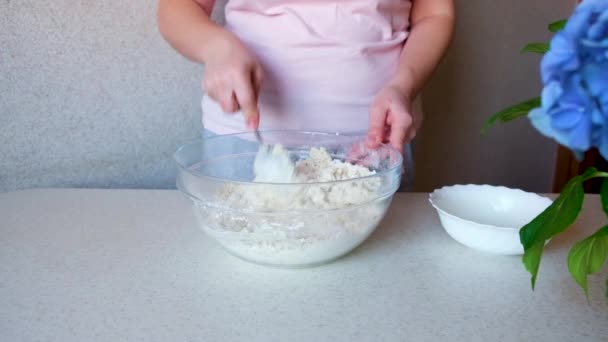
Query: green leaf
[555, 219]
[536, 48]
[557, 25]
[588, 256]
[559, 215]
[604, 195]
[531, 260]
[512, 113]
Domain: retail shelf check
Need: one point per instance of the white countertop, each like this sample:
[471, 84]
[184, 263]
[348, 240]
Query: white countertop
[131, 265]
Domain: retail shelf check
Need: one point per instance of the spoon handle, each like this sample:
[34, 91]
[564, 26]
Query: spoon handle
[258, 136]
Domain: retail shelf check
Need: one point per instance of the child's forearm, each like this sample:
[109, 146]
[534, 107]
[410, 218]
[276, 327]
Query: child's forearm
[432, 23]
[186, 25]
[233, 76]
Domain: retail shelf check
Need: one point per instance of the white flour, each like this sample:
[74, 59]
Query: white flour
[288, 224]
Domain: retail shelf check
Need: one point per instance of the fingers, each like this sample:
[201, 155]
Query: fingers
[410, 135]
[258, 78]
[227, 101]
[377, 125]
[417, 123]
[400, 131]
[221, 93]
[387, 132]
[397, 138]
[356, 152]
[237, 91]
[390, 125]
[246, 96]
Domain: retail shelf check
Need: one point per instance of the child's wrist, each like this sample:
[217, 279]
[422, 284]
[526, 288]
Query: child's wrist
[404, 81]
[404, 87]
[217, 40]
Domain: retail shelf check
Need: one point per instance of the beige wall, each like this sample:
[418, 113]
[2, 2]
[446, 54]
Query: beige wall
[91, 96]
[482, 73]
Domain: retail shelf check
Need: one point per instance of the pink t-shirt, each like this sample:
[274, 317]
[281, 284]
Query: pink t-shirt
[324, 61]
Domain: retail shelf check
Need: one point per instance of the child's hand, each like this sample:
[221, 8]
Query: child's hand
[392, 119]
[233, 77]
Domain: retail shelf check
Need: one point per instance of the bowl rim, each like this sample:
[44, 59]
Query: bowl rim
[433, 195]
[291, 212]
[398, 164]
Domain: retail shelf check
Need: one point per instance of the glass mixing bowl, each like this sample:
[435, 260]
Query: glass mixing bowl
[287, 224]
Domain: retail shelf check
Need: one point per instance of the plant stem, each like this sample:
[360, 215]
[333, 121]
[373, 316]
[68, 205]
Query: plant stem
[596, 175]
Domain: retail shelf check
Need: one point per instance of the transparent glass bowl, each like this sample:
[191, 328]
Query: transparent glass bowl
[289, 224]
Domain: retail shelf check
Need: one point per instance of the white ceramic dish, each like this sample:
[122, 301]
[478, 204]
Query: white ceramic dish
[487, 218]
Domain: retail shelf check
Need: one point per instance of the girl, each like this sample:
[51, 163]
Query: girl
[320, 65]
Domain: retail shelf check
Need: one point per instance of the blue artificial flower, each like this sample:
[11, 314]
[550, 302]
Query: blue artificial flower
[574, 72]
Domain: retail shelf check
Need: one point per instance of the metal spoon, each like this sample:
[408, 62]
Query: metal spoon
[272, 164]
[258, 136]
